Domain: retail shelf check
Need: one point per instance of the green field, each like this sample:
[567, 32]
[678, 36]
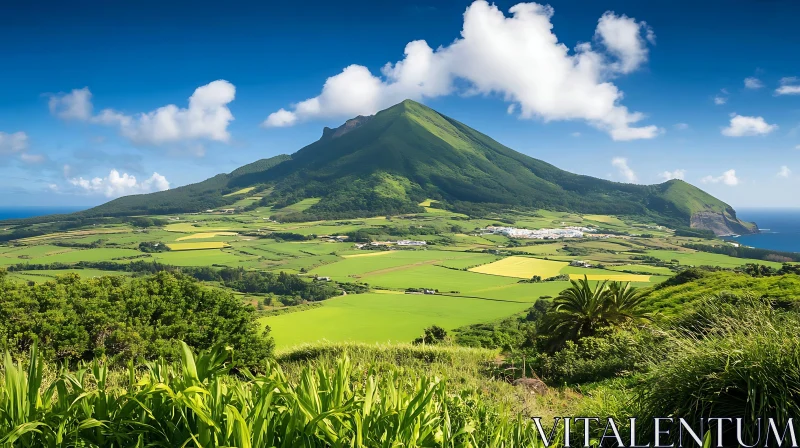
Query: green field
[687, 258]
[477, 276]
[383, 317]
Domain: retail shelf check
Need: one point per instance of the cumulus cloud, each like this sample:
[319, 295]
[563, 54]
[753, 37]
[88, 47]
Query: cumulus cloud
[518, 58]
[75, 105]
[742, 126]
[206, 117]
[784, 171]
[677, 174]
[728, 178]
[622, 37]
[753, 83]
[13, 143]
[116, 184]
[621, 164]
[720, 100]
[789, 86]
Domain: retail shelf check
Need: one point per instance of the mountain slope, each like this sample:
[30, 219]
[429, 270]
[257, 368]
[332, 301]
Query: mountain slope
[207, 194]
[407, 153]
[390, 162]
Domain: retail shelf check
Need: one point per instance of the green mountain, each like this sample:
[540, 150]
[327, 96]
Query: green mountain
[390, 162]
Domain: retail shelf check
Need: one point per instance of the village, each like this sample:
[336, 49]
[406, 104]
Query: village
[540, 234]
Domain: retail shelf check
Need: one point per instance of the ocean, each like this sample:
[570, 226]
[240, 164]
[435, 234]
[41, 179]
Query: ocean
[780, 229]
[28, 212]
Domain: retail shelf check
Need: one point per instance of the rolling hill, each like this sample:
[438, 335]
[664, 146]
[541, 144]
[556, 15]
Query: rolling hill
[390, 162]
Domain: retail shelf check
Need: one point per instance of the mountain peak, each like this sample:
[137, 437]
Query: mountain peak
[387, 163]
[349, 125]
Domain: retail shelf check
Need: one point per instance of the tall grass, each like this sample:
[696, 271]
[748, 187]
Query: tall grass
[199, 402]
[728, 359]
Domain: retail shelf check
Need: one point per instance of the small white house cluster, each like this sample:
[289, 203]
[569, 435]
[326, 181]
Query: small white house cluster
[540, 234]
[392, 243]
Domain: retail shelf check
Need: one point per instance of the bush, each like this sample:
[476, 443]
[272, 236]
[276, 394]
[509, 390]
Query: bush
[74, 319]
[595, 358]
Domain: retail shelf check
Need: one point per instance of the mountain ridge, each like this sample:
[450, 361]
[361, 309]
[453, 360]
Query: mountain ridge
[389, 162]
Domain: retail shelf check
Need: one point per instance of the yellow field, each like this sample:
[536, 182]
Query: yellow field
[613, 277]
[242, 191]
[521, 267]
[371, 254]
[199, 236]
[195, 246]
[604, 218]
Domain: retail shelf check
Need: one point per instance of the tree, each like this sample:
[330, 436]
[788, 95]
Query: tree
[580, 310]
[432, 335]
[625, 304]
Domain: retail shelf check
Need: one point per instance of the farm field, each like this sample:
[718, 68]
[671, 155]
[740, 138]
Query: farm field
[196, 246]
[479, 277]
[383, 317]
[205, 235]
[633, 278]
[199, 258]
[522, 267]
[687, 258]
[242, 191]
[655, 270]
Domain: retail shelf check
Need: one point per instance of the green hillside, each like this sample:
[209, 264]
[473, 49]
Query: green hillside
[390, 162]
[408, 153]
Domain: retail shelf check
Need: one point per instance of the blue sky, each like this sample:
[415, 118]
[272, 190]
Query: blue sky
[664, 93]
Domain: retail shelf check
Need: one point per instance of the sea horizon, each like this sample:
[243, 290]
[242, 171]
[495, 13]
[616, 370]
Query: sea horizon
[779, 228]
[30, 211]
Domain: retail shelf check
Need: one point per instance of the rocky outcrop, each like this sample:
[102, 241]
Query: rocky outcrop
[722, 224]
[349, 125]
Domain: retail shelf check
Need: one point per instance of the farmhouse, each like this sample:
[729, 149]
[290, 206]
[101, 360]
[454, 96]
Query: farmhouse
[580, 263]
[322, 279]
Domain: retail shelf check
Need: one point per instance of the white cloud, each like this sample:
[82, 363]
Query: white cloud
[681, 126]
[32, 158]
[727, 178]
[621, 164]
[789, 86]
[206, 117]
[280, 119]
[75, 105]
[116, 184]
[511, 109]
[12, 143]
[784, 171]
[677, 174]
[753, 83]
[517, 57]
[720, 100]
[742, 126]
[576, 134]
[622, 37]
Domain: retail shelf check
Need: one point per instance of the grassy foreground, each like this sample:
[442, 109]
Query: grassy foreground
[200, 402]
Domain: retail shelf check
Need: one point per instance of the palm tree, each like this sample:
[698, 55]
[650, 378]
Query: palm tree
[580, 310]
[577, 312]
[626, 304]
